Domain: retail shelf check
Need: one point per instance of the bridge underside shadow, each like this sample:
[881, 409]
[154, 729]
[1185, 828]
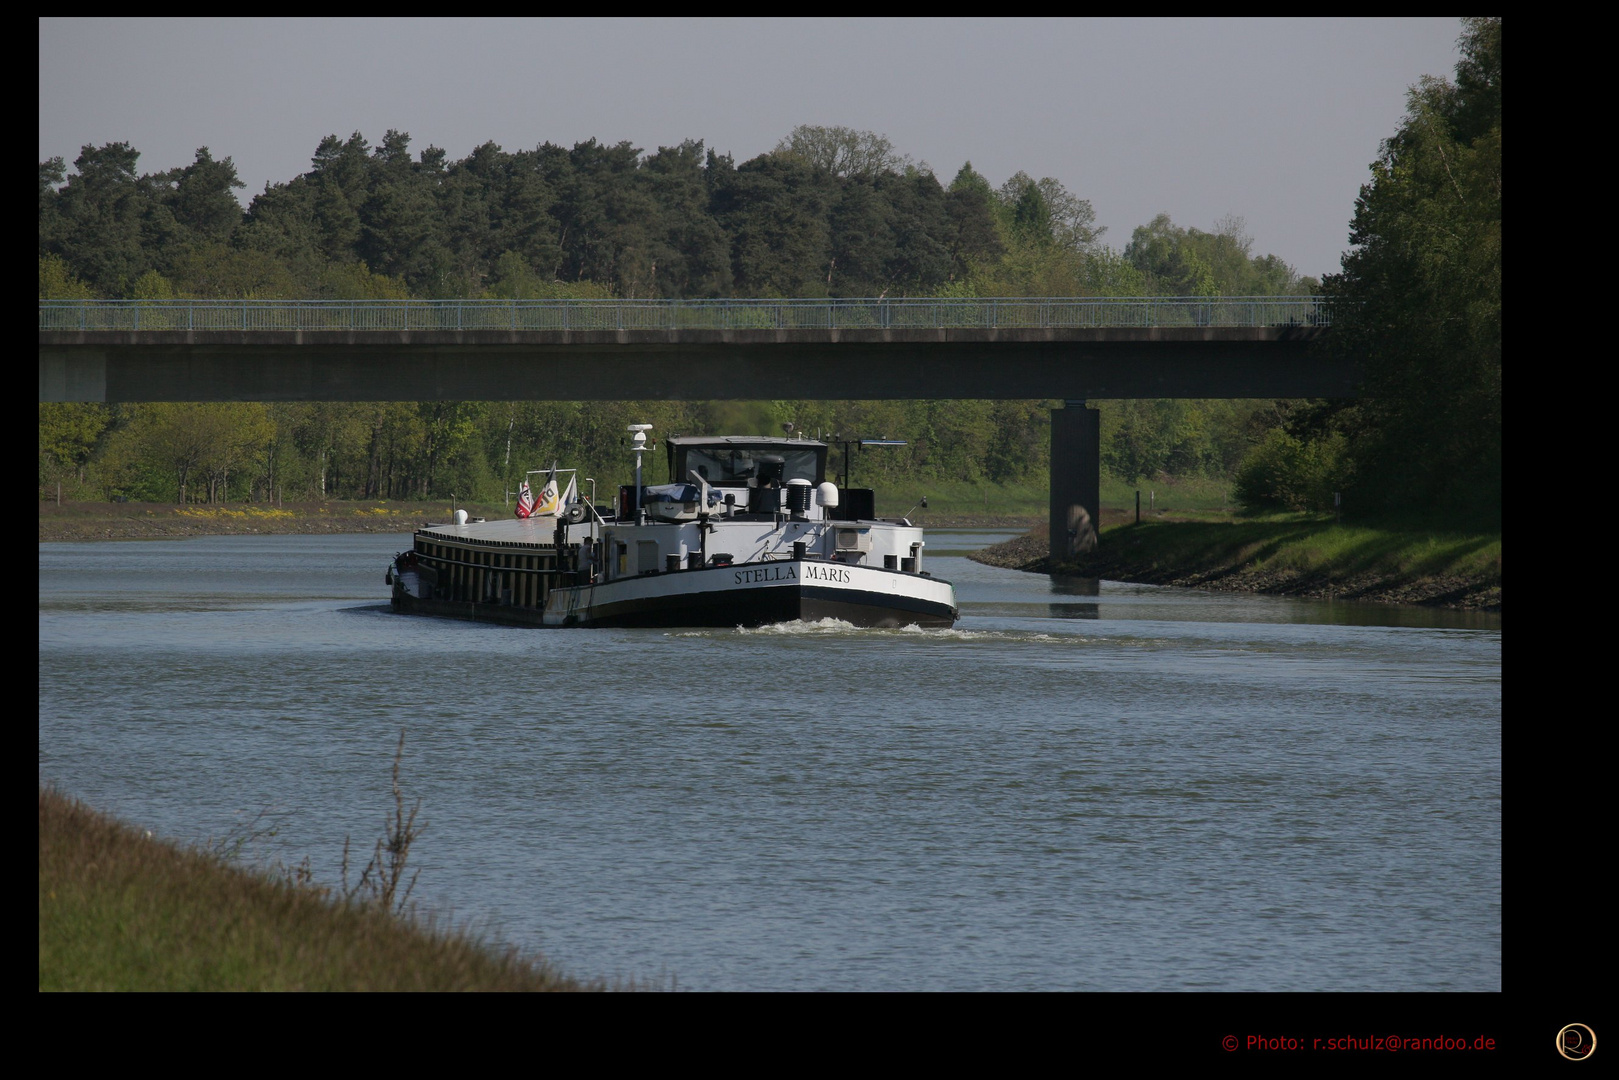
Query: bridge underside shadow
[487, 366]
[1071, 365]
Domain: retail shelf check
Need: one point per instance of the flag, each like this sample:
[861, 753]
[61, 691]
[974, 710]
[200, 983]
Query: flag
[549, 501]
[570, 496]
[525, 500]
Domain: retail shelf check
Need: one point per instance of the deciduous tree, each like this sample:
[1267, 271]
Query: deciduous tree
[1419, 299]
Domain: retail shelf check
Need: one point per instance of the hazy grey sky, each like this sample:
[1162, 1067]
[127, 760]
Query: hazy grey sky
[1273, 120]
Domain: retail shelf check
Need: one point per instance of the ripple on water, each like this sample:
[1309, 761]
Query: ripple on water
[1176, 791]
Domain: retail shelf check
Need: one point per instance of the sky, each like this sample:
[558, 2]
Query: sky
[1274, 121]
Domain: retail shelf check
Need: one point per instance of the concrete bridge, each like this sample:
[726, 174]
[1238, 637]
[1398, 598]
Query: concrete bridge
[1062, 348]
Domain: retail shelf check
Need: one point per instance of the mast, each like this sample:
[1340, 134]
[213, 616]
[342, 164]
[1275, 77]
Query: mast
[639, 445]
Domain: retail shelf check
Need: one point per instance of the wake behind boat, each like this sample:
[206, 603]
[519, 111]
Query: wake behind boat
[754, 534]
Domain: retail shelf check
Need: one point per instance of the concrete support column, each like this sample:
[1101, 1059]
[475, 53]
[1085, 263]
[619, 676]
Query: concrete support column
[1076, 479]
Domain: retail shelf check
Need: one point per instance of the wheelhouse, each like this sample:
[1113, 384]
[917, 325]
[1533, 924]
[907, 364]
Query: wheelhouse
[732, 461]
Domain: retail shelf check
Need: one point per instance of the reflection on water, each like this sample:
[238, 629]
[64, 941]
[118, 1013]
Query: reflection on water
[1076, 586]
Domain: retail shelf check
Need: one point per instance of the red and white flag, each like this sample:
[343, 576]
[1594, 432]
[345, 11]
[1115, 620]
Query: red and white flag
[525, 500]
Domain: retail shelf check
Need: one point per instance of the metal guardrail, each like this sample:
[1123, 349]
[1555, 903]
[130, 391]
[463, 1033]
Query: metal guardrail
[808, 314]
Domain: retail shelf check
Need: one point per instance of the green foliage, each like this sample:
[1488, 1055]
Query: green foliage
[480, 450]
[1044, 212]
[830, 212]
[56, 281]
[775, 209]
[1031, 217]
[70, 433]
[1422, 300]
[201, 200]
[1148, 438]
[218, 272]
[1173, 261]
[514, 279]
[151, 286]
[1287, 473]
[690, 256]
[843, 151]
[195, 446]
[98, 216]
[355, 281]
[1106, 272]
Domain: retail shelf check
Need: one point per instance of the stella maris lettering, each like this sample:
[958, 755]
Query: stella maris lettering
[789, 572]
[767, 574]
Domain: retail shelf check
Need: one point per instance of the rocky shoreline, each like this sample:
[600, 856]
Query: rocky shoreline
[1033, 554]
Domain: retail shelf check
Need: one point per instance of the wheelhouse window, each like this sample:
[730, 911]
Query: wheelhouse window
[735, 465]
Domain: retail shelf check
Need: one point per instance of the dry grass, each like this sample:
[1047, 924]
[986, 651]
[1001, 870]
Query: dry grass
[119, 910]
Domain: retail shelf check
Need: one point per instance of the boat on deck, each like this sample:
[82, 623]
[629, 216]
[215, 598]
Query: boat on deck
[754, 532]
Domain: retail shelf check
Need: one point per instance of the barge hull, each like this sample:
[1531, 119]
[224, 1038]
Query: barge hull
[864, 610]
[748, 595]
[763, 607]
[757, 594]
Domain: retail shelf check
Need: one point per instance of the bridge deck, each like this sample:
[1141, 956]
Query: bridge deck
[1074, 350]
[690, 364]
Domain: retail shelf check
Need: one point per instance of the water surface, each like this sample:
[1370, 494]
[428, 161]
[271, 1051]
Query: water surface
[1083, 786]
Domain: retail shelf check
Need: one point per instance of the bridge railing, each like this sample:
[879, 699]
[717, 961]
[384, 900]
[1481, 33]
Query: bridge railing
[801, 314]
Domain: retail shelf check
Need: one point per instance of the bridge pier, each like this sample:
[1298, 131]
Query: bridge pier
[1076, 479]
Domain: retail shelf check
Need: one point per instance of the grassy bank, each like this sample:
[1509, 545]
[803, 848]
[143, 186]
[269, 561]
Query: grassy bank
[151, 521]
[1028, 504]
[119, 910]
[958, 505]
[1291, 556]
[1011, 505]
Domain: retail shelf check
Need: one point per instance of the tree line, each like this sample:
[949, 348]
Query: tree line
[478, 451]
[1419, 302]
[829, 212]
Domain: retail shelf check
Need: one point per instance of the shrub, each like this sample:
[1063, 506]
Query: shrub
[1287, 473]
